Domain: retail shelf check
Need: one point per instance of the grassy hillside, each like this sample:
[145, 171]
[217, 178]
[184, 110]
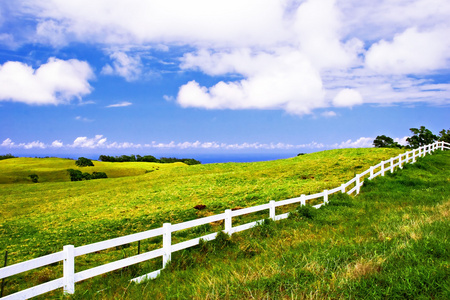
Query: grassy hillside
[390, 242]
[38, 219]
[17, 170]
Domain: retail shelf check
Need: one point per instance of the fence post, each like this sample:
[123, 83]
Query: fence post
[382, 168]
[343, 188]
[272, 210]
[392, 164]
[442, 146]
[167, 243]
[371, 172]
[69, 269]
[358, 186]
[400, 161]
[228, 224]
[325, 196]
[302, 200]
[414, 156]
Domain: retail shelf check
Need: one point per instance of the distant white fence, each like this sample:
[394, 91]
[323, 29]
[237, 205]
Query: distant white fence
[69, 252]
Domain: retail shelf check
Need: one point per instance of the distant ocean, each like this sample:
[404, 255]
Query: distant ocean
[204, 158]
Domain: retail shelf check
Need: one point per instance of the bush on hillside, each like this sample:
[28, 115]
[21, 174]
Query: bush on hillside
[77, 175]
[6, 156]
[98, 175]
[84, 162]
[148, 158]
[34, 178]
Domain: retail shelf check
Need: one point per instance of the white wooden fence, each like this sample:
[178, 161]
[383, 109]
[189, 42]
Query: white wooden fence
[69, 252]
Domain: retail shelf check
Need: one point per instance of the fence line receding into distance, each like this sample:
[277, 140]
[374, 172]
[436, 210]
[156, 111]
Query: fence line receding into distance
[70, 252]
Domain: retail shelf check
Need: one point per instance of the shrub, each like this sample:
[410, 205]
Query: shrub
[98, 175]
[75, 175]
[6, 156]
[34, 178]
[84, 162]
[86, 176]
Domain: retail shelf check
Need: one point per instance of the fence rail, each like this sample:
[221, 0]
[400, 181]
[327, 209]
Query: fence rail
[69, 253]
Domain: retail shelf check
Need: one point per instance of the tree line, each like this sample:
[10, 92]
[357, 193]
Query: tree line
[421, 137]
[147, 158]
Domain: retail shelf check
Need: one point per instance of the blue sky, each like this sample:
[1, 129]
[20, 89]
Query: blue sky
[180, 77]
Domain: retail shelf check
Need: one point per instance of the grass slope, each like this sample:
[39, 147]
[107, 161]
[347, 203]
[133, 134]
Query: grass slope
[17, 170]
[38, 219]
[390, 242]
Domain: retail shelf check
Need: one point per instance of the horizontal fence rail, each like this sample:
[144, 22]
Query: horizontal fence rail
[70, 252]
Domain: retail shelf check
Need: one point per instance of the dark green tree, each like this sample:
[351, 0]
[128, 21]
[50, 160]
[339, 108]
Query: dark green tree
[444, 135]
[383, 141]
[421, 137]
[6, 156]
[75, 175]
[84, 162]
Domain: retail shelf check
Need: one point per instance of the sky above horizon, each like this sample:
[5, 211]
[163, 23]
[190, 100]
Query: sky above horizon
[201, 76]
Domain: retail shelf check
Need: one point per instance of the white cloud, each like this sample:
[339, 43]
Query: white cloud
[228, 22]
[328, 114]
[285, 79]
[362, 142]
[128, 67]
[402, 141]
[84, 142]
[411, 52]
[55, 82]
[57, 144]
[7, 143]
[347, 98]
[291, 55]
[121, 104]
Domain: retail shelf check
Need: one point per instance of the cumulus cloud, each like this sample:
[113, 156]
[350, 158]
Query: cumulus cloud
[85, 142]
[128, 67]
[57, 144]
[121, 104]
[362, 142]
[411, 51]
[285, 80]
[291, 55]
[347, 98]
[8, 143]
[55, 82]
[100, 142]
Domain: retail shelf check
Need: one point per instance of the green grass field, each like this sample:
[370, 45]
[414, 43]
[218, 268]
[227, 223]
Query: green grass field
[351, 248]
[17, 170]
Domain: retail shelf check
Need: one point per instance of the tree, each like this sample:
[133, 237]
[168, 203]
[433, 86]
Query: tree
[84, 162]
[383, 141]
[6, 156]
[75, 175]
[444, 136]
[421, 137]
